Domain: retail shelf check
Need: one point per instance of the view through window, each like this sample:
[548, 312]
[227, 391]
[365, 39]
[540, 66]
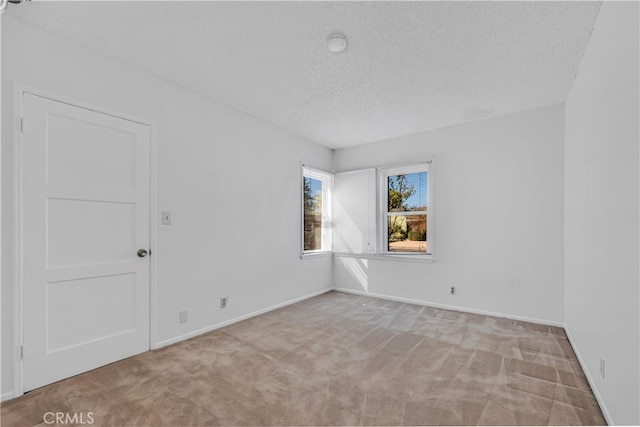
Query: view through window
[407, 212]
[312, 214]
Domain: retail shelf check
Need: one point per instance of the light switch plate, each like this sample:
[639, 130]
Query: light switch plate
[166, 218]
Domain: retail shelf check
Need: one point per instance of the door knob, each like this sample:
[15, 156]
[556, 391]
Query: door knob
[142, 253]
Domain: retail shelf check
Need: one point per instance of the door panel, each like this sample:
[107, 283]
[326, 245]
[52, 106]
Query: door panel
[90, 154]
[83, 310]
[76, 232]
[85, 215]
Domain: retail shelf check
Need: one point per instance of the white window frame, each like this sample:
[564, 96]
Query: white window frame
[383, 194]
[327, 193]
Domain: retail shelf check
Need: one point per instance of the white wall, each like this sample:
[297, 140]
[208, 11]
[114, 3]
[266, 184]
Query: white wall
[211, 160]
[602, 214]
[498, 215]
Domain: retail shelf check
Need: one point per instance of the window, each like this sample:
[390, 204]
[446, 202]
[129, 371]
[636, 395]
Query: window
[405, 213]
[374, 213]
[316, 211]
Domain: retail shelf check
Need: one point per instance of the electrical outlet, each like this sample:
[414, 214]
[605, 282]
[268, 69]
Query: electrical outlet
[602, 368]
[183, 316]
[223, 302]
[453, 290]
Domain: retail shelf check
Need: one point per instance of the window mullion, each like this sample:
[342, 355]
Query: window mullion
[407, 213]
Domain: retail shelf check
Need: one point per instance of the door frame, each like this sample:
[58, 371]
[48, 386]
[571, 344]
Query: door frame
[19, 90]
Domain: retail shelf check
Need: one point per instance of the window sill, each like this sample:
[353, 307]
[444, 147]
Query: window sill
[428, 259]
[319, 254]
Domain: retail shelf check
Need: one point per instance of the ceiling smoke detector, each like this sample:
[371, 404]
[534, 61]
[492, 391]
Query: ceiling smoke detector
[337, 43]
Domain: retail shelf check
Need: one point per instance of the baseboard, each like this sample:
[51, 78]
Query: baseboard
[6, 395]
[589, 377]
[450, 307]
[236, 319]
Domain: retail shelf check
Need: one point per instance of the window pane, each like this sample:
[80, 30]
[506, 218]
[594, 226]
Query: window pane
[407, 233]
[312, 214]
[407, 192]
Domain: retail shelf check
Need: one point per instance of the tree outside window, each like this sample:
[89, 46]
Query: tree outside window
[312, 214]
[407, 212]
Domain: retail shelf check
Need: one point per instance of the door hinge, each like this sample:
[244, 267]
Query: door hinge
[22, 352]
[21, 124]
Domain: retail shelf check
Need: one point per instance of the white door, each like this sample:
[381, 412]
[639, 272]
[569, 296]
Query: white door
[85, 211]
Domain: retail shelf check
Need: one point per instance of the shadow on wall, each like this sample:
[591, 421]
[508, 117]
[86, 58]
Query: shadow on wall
[357, 268]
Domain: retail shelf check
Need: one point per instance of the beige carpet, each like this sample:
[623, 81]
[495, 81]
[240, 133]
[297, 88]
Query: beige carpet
[336, 359]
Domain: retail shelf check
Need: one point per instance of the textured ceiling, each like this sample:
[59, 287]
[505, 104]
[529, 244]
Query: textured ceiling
[408, 67]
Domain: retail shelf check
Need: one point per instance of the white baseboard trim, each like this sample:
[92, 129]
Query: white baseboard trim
[449, 307]
[6, 395]
[592, 383]
[236, 319]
